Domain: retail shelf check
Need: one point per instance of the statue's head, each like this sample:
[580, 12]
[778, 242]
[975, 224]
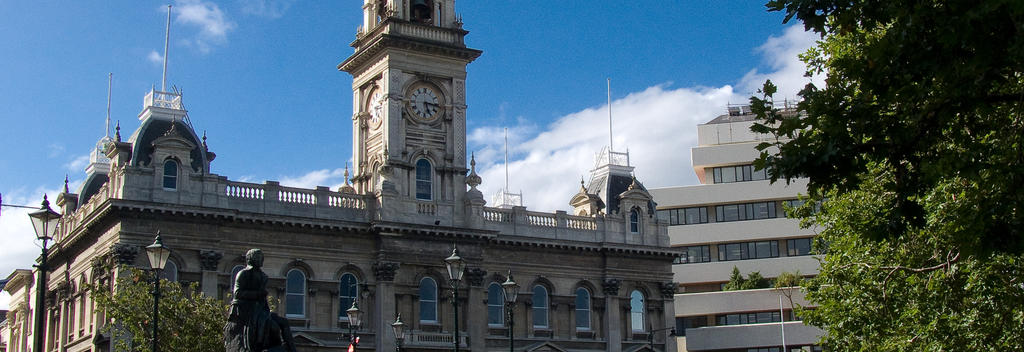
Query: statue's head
[254, 257]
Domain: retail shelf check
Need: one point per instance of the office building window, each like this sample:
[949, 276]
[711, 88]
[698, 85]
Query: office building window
[694, 254]
[748, 250]
[684, 216]
[745, 211]
[748, 318]
[739, 173]
[798, 246]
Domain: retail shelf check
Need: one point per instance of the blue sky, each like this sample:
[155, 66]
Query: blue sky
[260, 77]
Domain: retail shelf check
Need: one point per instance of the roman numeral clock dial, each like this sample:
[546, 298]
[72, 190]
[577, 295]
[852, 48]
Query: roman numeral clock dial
[424, 103]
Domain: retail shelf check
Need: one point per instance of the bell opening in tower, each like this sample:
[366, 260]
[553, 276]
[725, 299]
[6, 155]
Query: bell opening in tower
[420, 11]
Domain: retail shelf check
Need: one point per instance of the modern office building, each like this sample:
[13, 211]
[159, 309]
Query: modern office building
[598, 279]
[735, 218]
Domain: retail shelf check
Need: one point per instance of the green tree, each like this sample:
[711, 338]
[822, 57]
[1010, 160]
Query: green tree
[752, 281]
[189, 320]
[916, 141]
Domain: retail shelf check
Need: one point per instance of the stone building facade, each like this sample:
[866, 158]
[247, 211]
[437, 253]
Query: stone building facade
[599, 279]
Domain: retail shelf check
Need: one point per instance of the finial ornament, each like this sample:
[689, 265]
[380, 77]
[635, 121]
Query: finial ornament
[205, 147]
[473, 179]
[66, 183]
[117, 133]
[346, 173]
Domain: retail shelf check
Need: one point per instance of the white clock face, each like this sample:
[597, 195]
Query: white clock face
[376, 109]
[424, 103]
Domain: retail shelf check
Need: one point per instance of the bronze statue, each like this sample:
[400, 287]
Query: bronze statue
[251, 327]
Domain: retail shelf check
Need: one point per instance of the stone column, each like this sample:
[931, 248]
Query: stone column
[208, 261]
[384, 305]
[476, 311]
[613, 315]
[668, 290]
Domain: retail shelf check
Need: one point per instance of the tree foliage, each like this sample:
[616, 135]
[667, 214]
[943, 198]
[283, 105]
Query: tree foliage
[916, 141]
[752, 281]
[189, 321]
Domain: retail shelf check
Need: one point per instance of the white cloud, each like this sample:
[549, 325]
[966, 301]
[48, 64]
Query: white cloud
[21, 248]
[332, 178]
[155, 57]
[271, 9]
[208, 18]
[788, 71]
[55, 150]
[658, 126]
[77, 164]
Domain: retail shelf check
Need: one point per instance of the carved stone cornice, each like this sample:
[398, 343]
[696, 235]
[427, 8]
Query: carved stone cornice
[385, 270]
[475, 276]
[124, 254]
[209, 259]
[611, 286]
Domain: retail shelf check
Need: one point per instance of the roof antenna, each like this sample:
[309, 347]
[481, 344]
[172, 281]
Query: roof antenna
[167, 38]
[610, 114]
[506, 160]
[106, 130]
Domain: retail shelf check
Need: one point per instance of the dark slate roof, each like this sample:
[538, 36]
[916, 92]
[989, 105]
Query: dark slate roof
[3, 282]
[610, 187]
[91, 186]
[142, 141]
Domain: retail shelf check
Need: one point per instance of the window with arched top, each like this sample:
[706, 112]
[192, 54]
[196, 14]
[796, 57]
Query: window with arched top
[170, 175]
[423, 180]
[495, 305]
[170, 272]
[234, 275]
[582, 309]
[540, 307]
[348, 291]
[428, 300]
[295, 294]
[636, 310]
[634, 220]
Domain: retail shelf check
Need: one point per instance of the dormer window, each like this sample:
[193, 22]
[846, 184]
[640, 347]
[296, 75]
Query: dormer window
[420, 11]
[634, 221]
[170, 175]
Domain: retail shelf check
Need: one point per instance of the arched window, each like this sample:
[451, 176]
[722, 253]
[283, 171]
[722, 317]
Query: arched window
[348, 290]
[423, 180]
[428, 300]
[495, 305]
[540, 307]
[170, 272]
[170, 175]
[634, 221]
[295, 294]
[582, 309]
[636, 310]
[234, 275]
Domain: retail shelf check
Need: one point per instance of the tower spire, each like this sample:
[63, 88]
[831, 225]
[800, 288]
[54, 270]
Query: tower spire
[106, 129]
[167, 38]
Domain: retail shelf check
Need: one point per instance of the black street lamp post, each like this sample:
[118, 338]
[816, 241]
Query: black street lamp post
[158, 254]
[456, 267]
[399, 327]
[44, 221]
[355, 319]
[511, 289]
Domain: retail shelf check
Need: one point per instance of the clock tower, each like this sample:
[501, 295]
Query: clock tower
[409, 109]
